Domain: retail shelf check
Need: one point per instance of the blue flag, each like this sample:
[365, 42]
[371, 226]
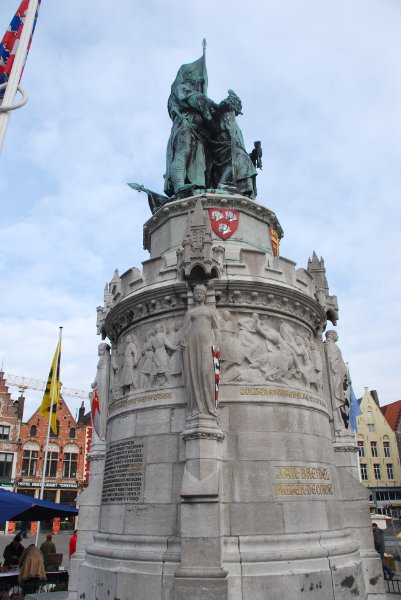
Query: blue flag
[355, 409]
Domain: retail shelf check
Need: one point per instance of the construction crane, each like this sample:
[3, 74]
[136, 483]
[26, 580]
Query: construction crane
[25, 383]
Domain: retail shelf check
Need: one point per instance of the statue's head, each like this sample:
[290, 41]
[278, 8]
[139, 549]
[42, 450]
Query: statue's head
[200, 293]
[194, 75]
[332, 335]
[103, 349]
[234, 102]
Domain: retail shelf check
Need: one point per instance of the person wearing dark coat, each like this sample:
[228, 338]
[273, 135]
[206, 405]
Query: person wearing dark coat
[378, 538]
[12, 552]
[48, 547]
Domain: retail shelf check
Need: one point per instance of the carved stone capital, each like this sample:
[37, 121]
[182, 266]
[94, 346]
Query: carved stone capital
[202, 435]
[202, 427]
[345, 447]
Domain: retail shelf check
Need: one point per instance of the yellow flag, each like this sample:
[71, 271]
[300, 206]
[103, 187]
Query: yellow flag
[52, 389]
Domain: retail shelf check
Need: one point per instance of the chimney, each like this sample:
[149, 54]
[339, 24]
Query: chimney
[81, 414]
[20, 406]
[375, 397]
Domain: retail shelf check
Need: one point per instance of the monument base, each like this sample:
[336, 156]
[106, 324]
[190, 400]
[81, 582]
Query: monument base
[201, 587]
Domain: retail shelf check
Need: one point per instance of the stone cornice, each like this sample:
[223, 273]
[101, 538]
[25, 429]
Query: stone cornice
[255, 296]
[272, 298]
[143, 305]
[209, 200]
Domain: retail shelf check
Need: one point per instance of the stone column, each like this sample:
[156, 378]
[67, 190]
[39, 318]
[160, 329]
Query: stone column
[201, 574]
[89, 511]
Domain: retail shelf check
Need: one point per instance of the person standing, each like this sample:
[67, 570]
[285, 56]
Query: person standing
[48, 547]
[13, 551]
[25, 525]
[73, 543]
[378, 538]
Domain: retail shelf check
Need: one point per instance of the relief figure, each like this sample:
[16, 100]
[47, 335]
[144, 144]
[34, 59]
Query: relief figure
[148, 367]
[231, 352]
[316, 360]
[129, 373]
[281, 359]
[200, 333]
[173, 344]
[161, 358]
[117, 359]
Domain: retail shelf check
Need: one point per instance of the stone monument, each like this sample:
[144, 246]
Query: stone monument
[228, 470]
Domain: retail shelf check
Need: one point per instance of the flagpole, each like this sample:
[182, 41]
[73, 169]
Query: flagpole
[42, 484]
[16, 71]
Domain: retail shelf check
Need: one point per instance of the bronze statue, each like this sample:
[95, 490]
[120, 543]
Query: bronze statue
[206, 148]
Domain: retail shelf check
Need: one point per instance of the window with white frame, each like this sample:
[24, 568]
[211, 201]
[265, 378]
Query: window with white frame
[364, 472]
[4, 432]
[361, 448]
[6, 465]
[390, 472]
[386, 449]
[29, 462]
[376, 470]
[373, 448]
[70, 461]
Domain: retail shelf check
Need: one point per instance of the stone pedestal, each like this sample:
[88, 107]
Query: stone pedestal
[263, 499]
[89, 509]
[201, 574]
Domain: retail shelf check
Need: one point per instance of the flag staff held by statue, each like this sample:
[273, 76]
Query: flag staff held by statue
[19, 34]
[48, 409]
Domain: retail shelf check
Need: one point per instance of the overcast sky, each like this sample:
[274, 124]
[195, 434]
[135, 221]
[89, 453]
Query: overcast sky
[321, 87]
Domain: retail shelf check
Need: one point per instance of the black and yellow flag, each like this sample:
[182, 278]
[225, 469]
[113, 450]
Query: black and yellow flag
[52, 390]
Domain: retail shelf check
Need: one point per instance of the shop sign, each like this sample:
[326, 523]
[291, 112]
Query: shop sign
[48, 484]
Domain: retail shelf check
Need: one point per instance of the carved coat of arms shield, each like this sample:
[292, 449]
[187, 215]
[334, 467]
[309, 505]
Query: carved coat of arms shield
[224, 221]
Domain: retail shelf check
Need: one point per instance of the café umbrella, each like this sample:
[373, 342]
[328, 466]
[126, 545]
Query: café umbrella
[25, 508]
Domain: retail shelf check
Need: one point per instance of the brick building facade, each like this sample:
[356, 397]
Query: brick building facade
[67, 460]
[11, 412]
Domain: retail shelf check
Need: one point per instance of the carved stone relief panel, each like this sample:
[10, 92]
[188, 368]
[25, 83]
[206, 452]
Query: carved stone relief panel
[256, 349]
[147, 359]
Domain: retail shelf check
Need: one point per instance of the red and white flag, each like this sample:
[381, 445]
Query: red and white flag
[95, 411]
[10, 41]
[216, 367]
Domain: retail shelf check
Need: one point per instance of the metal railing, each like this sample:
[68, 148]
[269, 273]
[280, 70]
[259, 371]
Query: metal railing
[393, 586]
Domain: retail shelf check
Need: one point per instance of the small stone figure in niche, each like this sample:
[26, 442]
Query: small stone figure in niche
[316, 360]
[161, 358]
[338, 376]
[148, 367]
[129, 369]
[174, 345]
[200, 333]
[102, 383]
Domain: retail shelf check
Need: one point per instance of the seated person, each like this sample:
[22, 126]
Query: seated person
[32, 571]
[13, 551]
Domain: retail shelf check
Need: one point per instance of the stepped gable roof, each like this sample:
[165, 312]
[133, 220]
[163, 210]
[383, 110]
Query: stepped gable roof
[392, 413]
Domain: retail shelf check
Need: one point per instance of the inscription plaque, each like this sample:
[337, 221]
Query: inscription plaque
[123, 472]
[303, 480]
